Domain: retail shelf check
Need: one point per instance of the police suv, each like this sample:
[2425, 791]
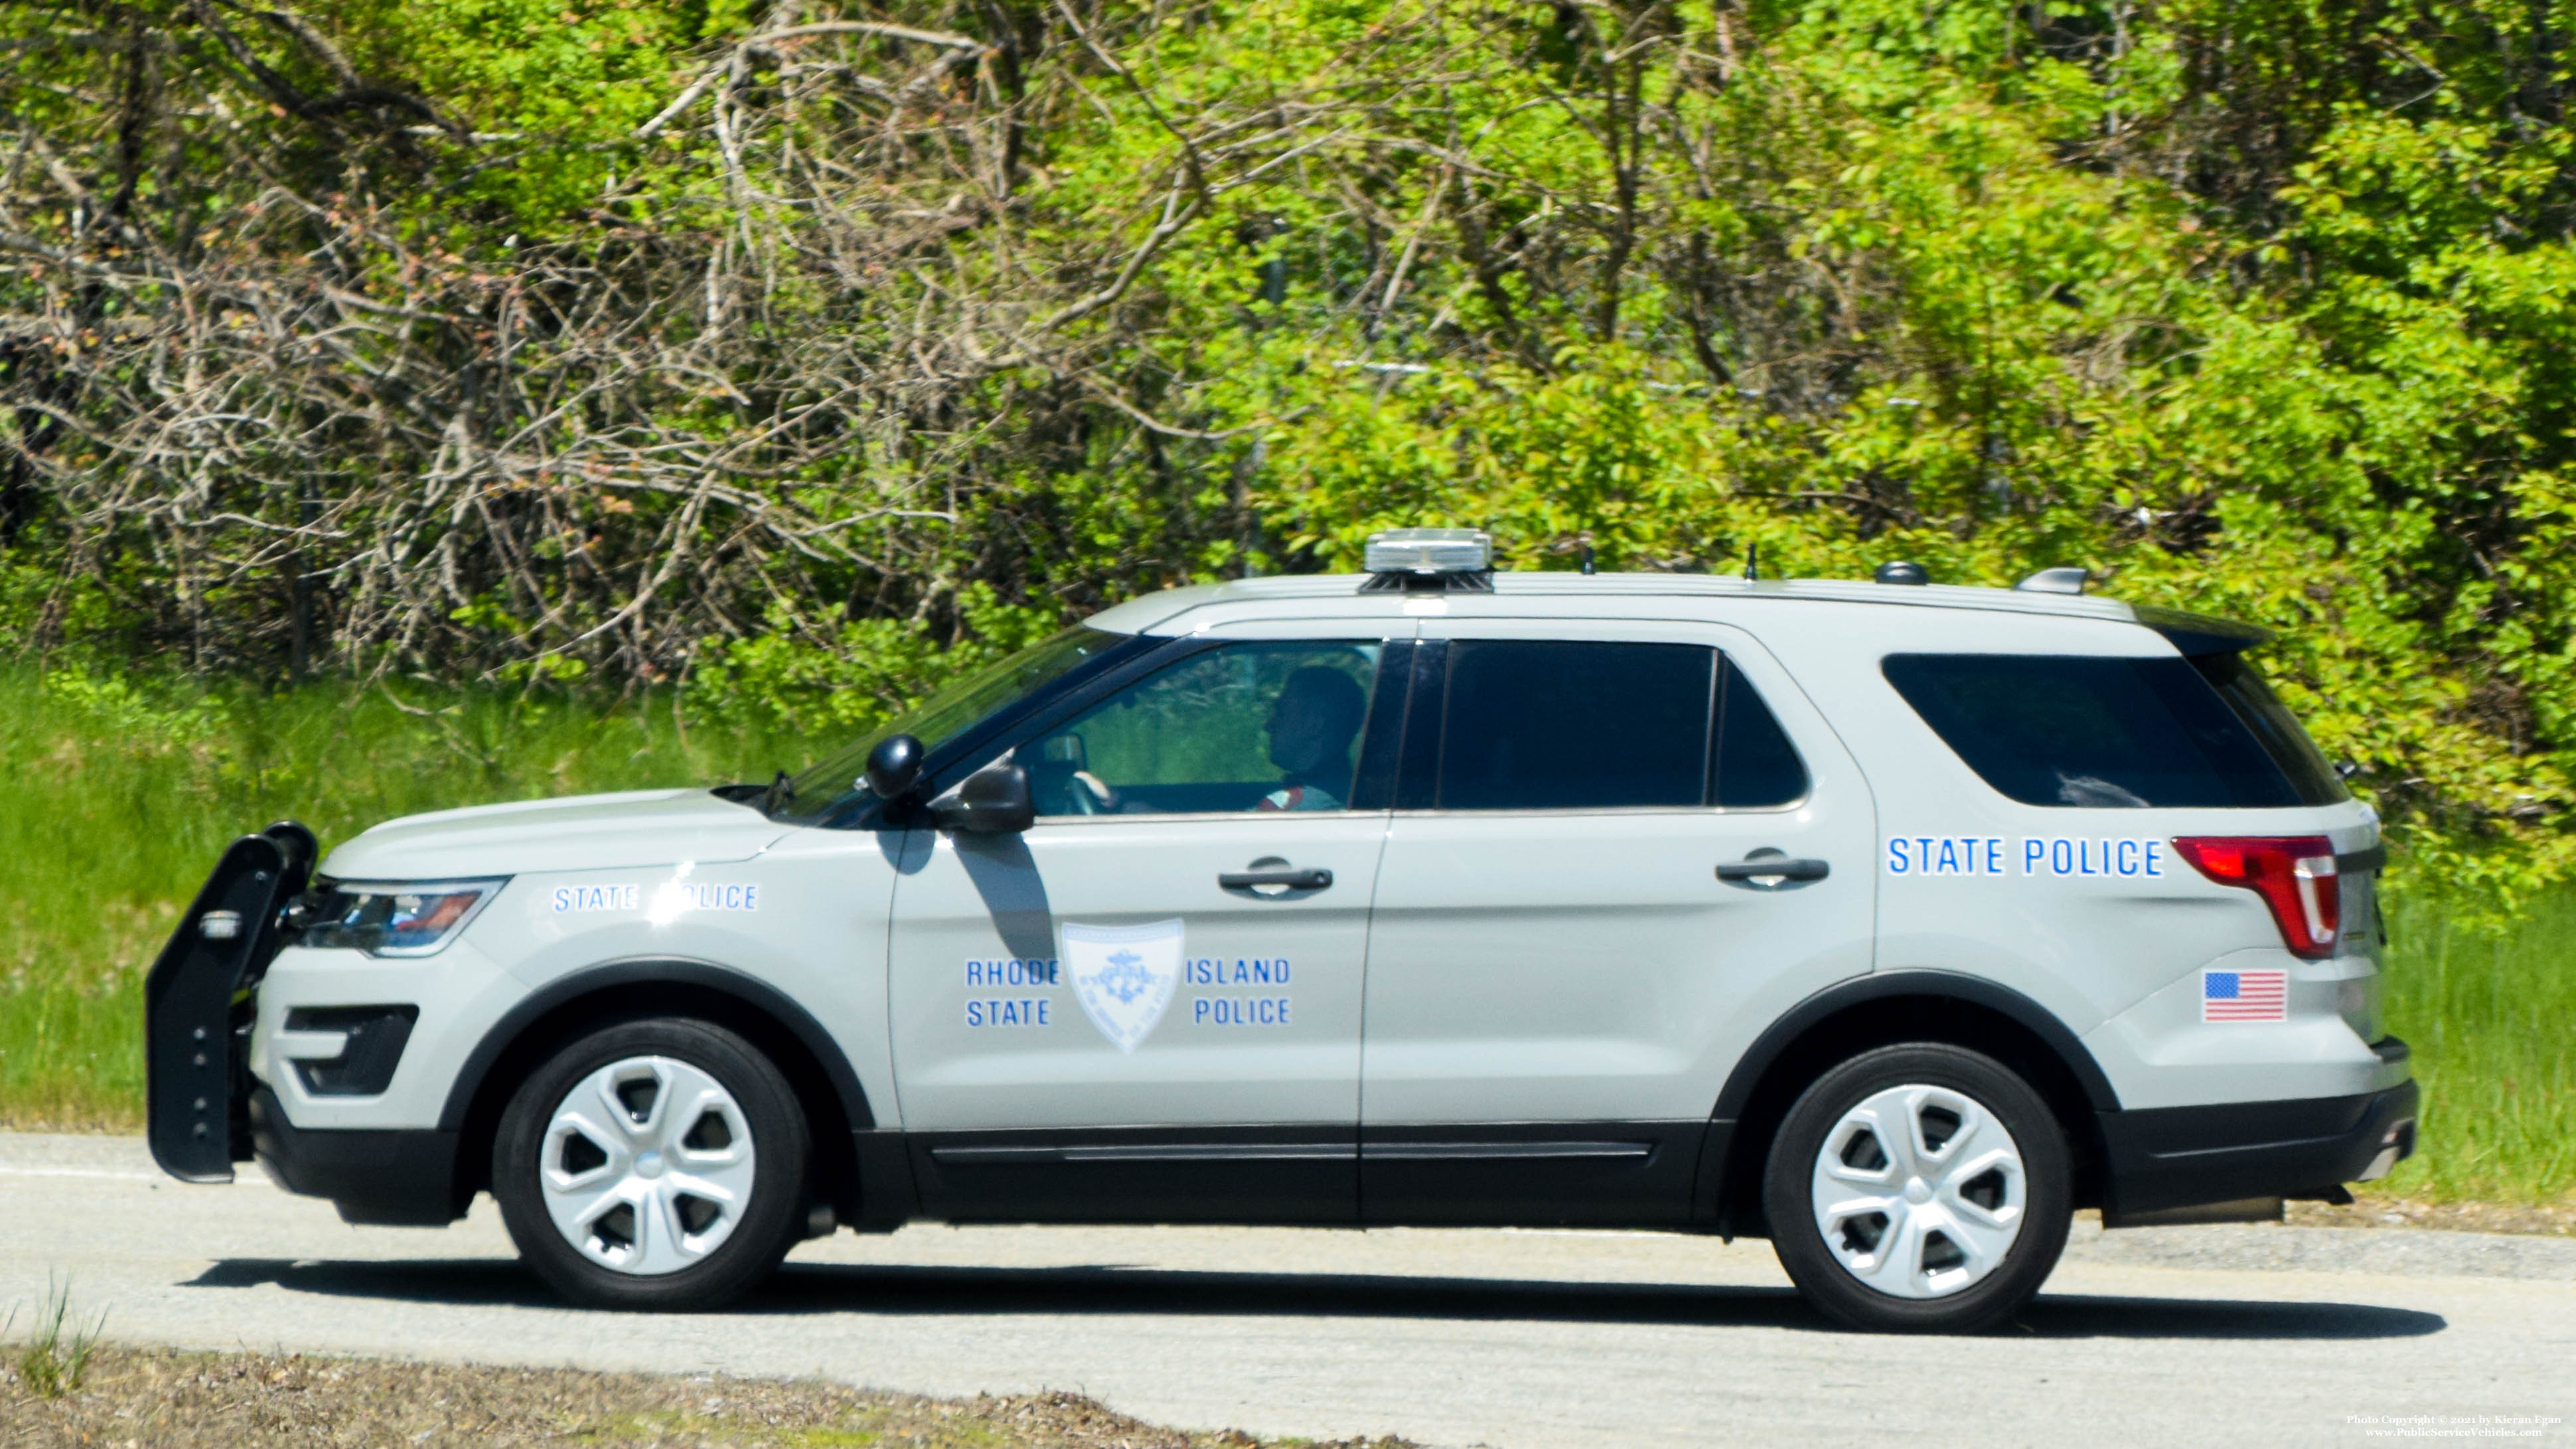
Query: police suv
[1891, 921]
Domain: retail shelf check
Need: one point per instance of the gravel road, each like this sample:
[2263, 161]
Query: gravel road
[1519, 1340]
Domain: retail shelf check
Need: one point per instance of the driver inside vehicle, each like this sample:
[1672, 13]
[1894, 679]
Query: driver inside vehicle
[1251, 727]
[1312, 725]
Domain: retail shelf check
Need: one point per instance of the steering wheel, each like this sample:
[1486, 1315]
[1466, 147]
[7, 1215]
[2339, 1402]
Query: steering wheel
[1088, 794]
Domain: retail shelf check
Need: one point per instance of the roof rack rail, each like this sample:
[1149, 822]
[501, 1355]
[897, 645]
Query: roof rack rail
[2066, 579]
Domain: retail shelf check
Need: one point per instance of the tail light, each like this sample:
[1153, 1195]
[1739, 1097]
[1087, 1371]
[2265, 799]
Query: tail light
[2294, 874]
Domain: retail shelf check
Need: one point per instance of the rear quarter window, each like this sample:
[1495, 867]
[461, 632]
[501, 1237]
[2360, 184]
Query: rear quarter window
[2273, 726]
[2098, 731]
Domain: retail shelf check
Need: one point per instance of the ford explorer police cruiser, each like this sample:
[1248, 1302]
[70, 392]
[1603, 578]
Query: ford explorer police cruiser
[1891, 921]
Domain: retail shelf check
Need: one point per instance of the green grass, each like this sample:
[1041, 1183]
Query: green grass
[119, 799]
[2491, 1017]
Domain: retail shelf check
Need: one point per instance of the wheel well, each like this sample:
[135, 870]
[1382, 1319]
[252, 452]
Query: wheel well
[1886, 1021]
[835, 1160]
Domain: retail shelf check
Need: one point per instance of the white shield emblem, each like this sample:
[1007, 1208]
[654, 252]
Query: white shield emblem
[1124, 976]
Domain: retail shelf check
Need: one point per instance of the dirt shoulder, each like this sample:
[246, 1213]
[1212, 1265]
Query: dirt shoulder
[172, 1400]
[2549, 1219]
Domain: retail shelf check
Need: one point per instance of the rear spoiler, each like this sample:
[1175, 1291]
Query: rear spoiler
[2195, 634]
[196, 1003]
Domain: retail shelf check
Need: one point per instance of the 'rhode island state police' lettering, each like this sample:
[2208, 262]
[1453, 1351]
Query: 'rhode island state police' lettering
[2115, 857]
[1946, 855]
[685, 895]
[1239, 971]
[571, 899]
[1010, 1011]
[1014, 971]
[1240, 1011]
[2078, 855]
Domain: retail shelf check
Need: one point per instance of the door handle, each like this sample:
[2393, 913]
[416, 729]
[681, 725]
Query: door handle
[1295, 878]
[1772, 867]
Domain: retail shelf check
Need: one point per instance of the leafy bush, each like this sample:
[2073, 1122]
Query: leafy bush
[788, 354]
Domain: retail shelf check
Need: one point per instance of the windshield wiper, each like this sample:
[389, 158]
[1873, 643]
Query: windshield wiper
[769, 797]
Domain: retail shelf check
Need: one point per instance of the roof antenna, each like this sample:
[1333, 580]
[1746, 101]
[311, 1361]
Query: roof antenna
[1752, 561]
[1587, 554]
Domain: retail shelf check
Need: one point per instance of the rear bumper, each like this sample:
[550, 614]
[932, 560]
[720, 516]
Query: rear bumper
[405, 1177]
[2174, 1157]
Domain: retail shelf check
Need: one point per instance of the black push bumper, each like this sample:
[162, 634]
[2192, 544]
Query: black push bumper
[197, 1003]
[2175, 1157]
[401, 1177]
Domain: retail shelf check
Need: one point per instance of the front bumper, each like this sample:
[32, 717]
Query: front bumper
[196, 1003]
[2175, 1157]
[403, 1177]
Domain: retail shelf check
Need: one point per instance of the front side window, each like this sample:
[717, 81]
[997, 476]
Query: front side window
[2092, 730]
[1243, 727]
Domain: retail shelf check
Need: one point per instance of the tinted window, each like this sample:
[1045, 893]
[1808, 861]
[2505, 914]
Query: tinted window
[1550, 725]
[1244, 727]
[1755, 763]
[2050, 729]
[2274, 727]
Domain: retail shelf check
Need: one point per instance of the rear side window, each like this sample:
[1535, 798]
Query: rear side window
[1566, 725]
[1573, 725]
[2089, 730]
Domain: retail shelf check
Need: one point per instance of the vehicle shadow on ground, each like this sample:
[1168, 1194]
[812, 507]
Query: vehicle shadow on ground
[813, 1288]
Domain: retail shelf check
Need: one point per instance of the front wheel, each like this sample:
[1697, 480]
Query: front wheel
[1921, 1188]
[655, 1164]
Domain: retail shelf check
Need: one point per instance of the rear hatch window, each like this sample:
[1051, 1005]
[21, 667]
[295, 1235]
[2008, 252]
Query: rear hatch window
[2091, 730]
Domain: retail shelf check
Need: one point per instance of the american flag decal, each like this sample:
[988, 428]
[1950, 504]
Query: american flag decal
[2245, 996]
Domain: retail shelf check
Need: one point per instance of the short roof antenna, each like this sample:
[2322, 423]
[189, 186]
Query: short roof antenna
[1752, 561]
[1587, 554]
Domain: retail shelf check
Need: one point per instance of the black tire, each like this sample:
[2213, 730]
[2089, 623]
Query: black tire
[2046, 1191]
[768, 1222]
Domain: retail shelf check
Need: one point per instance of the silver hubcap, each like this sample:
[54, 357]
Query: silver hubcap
[647, 1165]
[1919, 1191]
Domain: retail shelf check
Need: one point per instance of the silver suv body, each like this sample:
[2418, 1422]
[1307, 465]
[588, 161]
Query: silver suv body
[1891, 922]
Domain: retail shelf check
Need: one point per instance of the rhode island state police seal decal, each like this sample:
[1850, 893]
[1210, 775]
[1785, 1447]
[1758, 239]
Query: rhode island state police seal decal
[1124, 976]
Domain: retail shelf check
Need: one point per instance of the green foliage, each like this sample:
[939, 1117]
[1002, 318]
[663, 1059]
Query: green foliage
[2261, 309]
[828, 684]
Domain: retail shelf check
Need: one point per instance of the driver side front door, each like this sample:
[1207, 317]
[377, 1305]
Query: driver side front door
[1147, 1006]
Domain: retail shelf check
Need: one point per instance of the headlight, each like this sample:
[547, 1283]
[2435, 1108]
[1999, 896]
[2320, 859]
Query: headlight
[400, 918]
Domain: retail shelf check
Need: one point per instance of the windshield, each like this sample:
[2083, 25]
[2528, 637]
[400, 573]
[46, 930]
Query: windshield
[834, 781]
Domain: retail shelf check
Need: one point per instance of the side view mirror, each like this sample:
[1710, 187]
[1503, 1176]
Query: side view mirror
[995, 800]
[893, 766]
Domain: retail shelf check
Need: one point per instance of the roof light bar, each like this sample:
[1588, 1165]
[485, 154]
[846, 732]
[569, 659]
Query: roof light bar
[1429, 551]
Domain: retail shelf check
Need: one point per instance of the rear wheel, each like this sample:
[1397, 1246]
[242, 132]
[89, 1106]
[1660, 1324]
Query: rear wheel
[1922, 1187]
[653, 1164]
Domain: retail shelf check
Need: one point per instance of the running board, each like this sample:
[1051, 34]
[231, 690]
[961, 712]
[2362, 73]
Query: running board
[2242, 1210]
[1292, 1152]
